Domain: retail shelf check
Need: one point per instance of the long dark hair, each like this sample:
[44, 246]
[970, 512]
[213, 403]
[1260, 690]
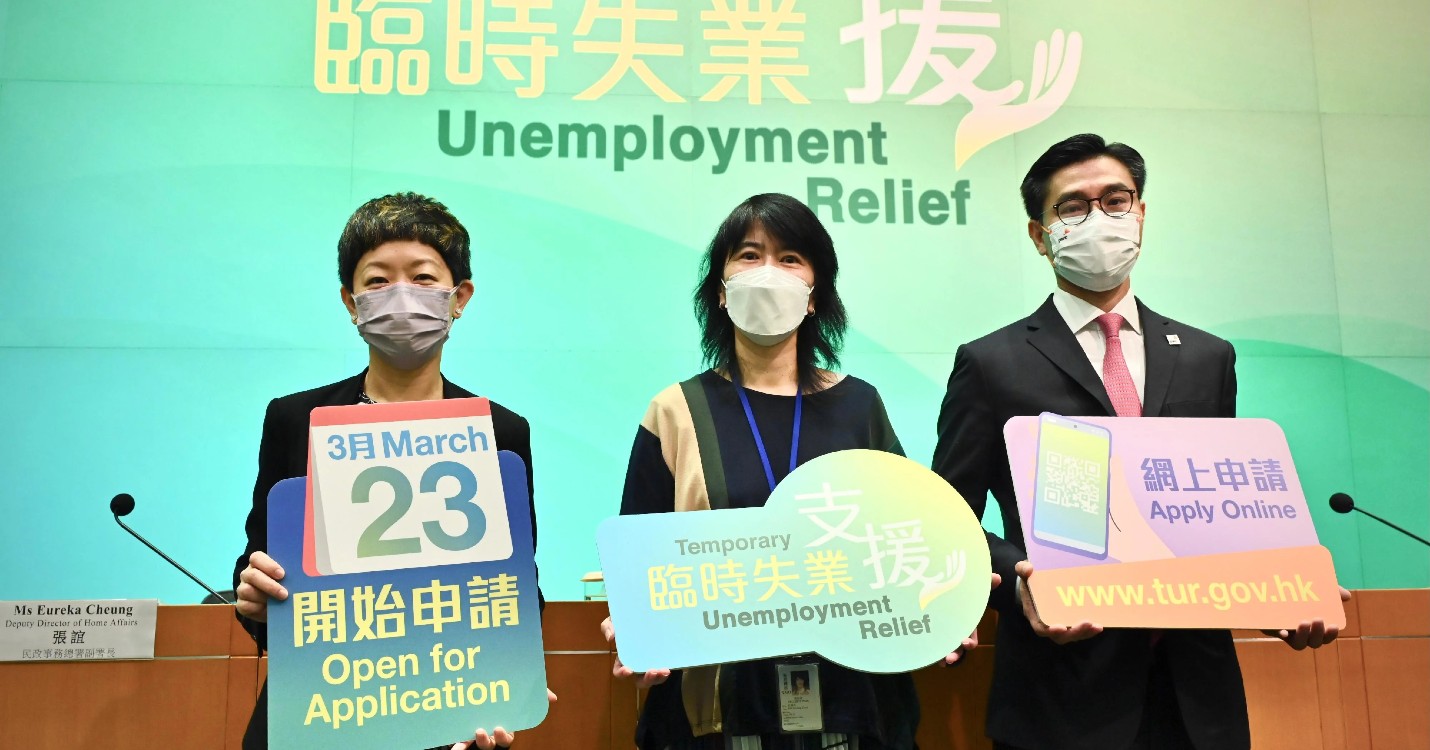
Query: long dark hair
[821, 334]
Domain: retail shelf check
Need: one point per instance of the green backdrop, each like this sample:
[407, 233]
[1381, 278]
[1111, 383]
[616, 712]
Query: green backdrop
[174, 177]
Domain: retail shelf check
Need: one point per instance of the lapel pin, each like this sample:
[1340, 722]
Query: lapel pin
[1174, 339]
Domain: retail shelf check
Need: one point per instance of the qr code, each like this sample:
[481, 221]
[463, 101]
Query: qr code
[1072, 482]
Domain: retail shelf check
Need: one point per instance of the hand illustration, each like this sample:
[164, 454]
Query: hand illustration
[994, 114]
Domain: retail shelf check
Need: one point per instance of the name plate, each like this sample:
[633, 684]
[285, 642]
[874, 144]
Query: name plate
[78, 629]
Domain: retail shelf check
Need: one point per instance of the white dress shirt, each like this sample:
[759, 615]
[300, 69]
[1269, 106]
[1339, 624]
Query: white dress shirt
[1081, 318]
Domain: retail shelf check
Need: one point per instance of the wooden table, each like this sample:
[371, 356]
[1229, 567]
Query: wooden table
[1370, 690]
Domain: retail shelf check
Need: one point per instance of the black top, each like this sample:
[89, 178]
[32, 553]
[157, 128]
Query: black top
[701, 424]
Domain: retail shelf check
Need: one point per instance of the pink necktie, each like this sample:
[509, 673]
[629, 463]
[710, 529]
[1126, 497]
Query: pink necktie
[1116, 378]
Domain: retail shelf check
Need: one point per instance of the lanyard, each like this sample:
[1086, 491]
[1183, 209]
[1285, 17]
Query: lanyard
[760, 444]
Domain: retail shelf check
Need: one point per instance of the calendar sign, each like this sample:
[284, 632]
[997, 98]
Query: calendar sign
[413, 615]
[367, 475]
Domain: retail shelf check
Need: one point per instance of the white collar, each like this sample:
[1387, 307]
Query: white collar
[1079, 313]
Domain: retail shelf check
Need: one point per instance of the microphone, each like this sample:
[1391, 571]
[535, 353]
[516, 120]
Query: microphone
[123, 505]
[1342, 503]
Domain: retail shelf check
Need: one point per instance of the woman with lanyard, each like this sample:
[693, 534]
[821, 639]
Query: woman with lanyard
[770, 317]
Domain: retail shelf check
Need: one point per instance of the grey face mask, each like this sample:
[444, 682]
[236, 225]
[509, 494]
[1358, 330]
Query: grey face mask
[405, 323]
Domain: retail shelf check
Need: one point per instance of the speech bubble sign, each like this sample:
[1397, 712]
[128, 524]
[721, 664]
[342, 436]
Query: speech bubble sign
[864, 557]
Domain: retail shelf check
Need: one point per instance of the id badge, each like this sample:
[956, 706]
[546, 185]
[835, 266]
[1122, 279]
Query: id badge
[800, 706]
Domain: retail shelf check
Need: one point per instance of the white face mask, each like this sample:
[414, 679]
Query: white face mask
[405, 323]
[1097, 254]
[766, 303]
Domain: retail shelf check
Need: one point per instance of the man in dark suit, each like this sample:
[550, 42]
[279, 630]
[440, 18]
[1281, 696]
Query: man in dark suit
[1092, 349]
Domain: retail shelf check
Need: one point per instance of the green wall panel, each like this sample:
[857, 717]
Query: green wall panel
[174, 183]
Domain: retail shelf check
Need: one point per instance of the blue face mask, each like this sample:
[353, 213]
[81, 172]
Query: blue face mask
[406, 324]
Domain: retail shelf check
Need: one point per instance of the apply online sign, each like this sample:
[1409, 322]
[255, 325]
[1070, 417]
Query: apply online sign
[864, 557]
[412, 615]
[1168, 523]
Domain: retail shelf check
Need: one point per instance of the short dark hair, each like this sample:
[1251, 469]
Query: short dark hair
[820, 335]
[404, 216]
[1074, 150]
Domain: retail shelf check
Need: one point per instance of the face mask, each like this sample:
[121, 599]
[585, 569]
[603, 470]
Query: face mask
[1097, 254]
[767, 304]
[405, 323]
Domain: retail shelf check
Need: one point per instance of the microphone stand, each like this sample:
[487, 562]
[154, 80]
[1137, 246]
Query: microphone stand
[1416, 537]
[171, 561]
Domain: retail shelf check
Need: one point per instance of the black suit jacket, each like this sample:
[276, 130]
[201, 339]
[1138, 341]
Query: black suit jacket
[283, 454]
[1088, 694]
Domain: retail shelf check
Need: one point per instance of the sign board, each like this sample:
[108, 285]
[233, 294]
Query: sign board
[1168, 523]
[78, 629]
[412, 615]
[865, 557]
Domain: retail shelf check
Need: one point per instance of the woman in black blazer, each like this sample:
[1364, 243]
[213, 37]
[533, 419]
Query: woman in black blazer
[405, 265]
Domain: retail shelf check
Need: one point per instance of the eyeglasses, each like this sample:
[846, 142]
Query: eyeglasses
[1114, 203]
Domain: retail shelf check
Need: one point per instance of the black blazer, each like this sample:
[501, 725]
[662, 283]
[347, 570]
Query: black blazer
[1088, 694]
[283, 454]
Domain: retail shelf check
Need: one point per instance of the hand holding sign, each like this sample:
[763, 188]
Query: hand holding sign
[971, 642]
[1313, 634]
[258, 583]
[1059, 634]
[644, 679]
[498, 737]
[481, 740]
